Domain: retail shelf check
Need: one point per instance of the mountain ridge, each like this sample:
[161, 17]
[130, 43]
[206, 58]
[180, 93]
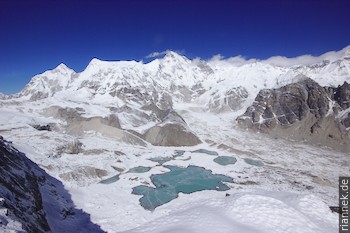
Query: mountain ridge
[172, 64]
[141, 95]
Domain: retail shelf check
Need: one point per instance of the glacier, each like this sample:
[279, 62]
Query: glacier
[115, 116]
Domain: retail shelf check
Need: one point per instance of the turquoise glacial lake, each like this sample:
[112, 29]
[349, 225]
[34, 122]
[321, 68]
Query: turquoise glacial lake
[185, 180]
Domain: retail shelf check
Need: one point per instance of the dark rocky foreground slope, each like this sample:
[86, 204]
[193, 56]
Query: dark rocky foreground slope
[303, 111]
[31, 197]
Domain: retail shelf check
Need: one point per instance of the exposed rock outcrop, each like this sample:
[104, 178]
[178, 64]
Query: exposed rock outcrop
[20, 189]
[231, 100]
[42, 127]
[84, 174]
[303, 110]
[74, 147]
[33, 200]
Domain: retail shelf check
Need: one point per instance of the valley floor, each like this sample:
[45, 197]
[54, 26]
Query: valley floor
[293, 188]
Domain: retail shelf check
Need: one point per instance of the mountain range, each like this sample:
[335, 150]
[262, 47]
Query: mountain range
[75, 145]
[143, 100]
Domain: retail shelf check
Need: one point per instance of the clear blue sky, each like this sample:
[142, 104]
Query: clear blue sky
[38, 35]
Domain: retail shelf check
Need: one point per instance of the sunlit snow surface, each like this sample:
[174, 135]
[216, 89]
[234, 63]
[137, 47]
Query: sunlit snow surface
[248, 212]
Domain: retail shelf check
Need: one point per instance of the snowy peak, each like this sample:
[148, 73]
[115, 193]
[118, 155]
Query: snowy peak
[63, 67]
[346, 55]
[59, 72]
[346, 51]
[48, 83]
[3, 96]
[173, 57]
[95, 63]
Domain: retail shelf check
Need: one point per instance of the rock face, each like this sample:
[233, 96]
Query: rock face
[303, 110]
[34, 201]
[231, 100]
[20, 188]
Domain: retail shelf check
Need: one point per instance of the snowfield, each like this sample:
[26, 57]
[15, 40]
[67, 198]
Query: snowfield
[248, 211]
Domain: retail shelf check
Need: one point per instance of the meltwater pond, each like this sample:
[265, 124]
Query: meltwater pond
[253, 162]
[225, 160]
[110, 180]
[161, 160]
[204, 151]
[185, 180]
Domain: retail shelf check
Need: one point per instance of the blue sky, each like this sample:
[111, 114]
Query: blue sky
[38, 35]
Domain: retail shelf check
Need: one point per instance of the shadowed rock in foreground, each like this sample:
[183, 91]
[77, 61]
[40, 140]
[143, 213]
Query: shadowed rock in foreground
[34, 199]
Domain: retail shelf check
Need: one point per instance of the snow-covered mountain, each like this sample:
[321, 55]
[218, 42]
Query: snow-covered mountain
[114, 126]
[141, 96]
[3, 96]
[130, 82]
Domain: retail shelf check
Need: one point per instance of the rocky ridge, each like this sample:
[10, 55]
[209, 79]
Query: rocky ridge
[32, 201]
[303, 110]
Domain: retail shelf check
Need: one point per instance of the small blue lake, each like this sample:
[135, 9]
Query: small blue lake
[179, 153]
[253, 162]
[204, 151]
[225, 160]
[161, 160]
[110, 180]
[185, 180]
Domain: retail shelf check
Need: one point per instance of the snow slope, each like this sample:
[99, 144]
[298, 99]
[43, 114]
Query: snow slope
[249, 212]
